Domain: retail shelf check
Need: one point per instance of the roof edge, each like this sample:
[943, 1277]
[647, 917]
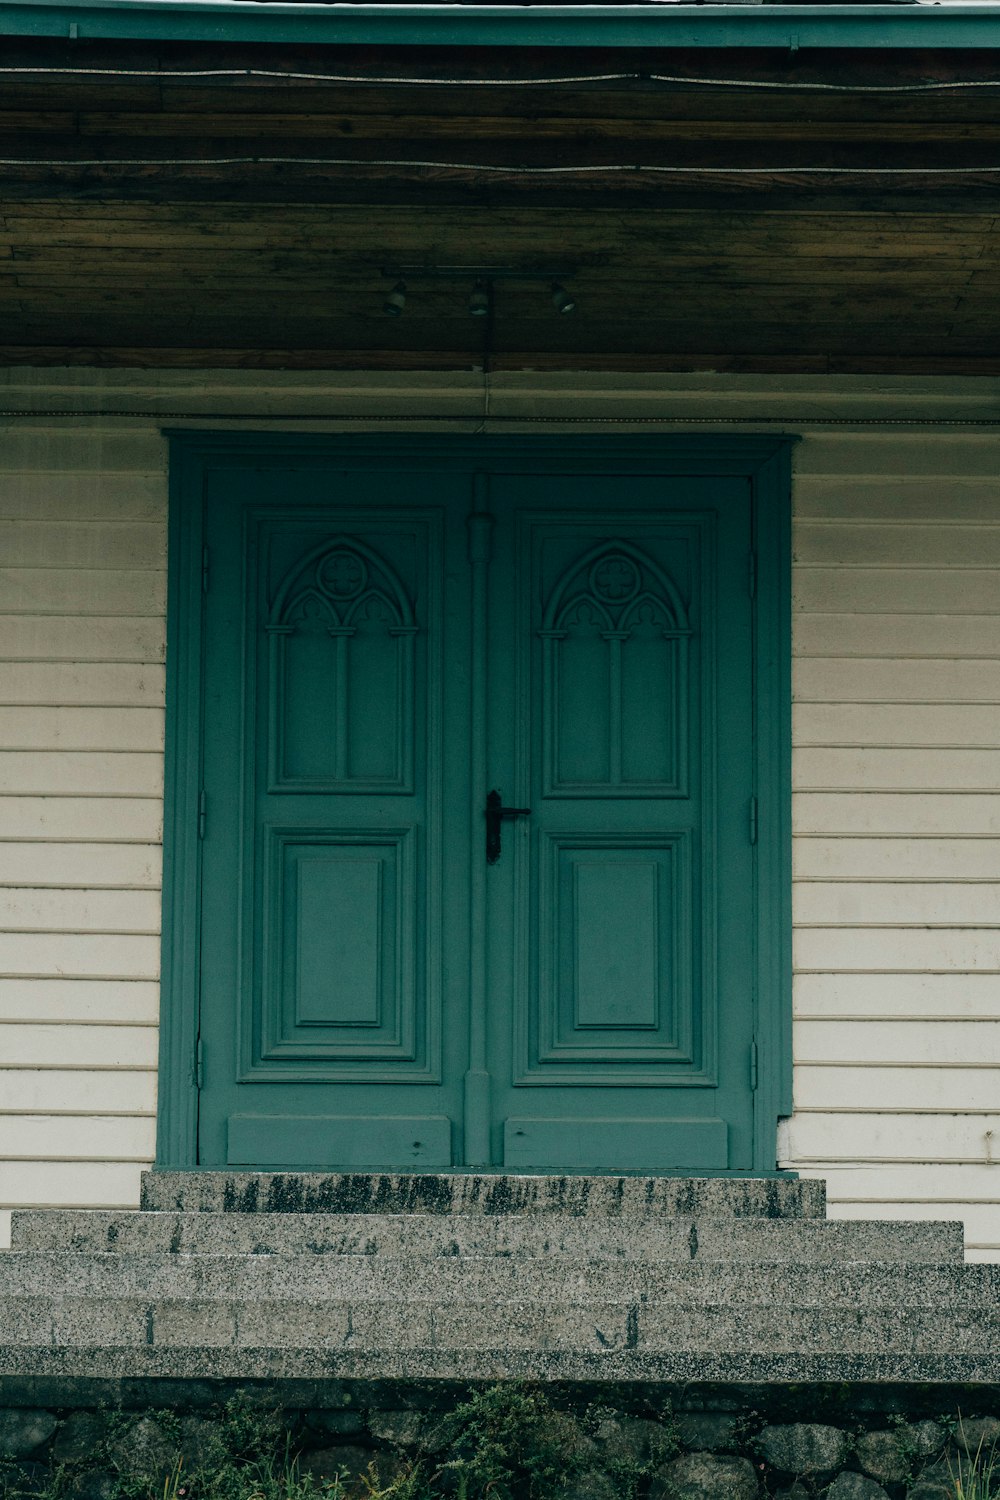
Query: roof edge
[875, 27]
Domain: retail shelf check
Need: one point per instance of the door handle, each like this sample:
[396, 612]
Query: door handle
[496, 814]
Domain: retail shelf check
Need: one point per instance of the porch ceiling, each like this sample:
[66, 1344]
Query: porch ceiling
[152, 218]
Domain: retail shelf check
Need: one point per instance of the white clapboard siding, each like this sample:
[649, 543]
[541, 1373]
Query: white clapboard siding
[92, 819]
[95, 1138]
[47, 909]
[965, 814]
[907, 591]
[80, 955]
[901, 1089]
[32, 496]
[877, 679]
[111, 729]
[960, 726]
[896, 768]
[82, 598]
[83, 591]
[962, 861]
[896, 1136]
[90, 544]
[901, 636]
[910, 1044]
[81, 638]
[66, 1045]
[101, 684]
[53, 1090]
[906, 498]
[71, 866]
[848, 997]
[124, 1002]
[931, 903]
[74, 773]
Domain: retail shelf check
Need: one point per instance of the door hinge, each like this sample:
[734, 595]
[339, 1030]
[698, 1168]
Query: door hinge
[199, 1065]
[753, 1066]
[202, 813]
[204, 570]
[753, 820]
[752, 574]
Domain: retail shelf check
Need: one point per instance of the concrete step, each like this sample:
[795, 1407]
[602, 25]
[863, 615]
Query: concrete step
[454, 1194]
[666, 1238]
[409, 1281]
[64, 1371]
[286, 1330]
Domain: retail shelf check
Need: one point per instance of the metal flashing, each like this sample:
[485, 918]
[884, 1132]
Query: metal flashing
[793, 27]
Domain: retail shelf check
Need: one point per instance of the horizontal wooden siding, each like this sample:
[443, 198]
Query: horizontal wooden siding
[896, 771]
[82, 593]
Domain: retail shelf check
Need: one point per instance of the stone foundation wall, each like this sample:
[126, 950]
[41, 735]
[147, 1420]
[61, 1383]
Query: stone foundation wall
[347, 1440]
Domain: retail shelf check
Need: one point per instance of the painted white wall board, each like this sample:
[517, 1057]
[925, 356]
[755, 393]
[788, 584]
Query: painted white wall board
[900, 814]
[897, 770]
[75, 773]
[936, 1090]
[69, 1184]
[839, 1137]
[70, 1046]
[960, 726]
[94, 1090]
[127, 1002]
[93, 1138]
[112, 729]
[877, 591]
[946, 997]
[100, 683]
[84, 591]
[115, 820]
[81, 637]
[87, 544]
[911, 1045]
[896, 903]
[892, 949]
[89, 497]
[820, 679]
[81, 866]
[27, 909]
[849, 634]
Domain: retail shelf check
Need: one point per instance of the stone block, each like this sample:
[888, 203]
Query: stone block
[883, 1455]
[78, 1437]
[634, 1440]
[94, 1484]
[850, 1486]
[712, 1431]
[324, 1425]
[145, 1452]
[705, 1476]
[24, 1432]
[804, 1447]
[977, 1434]
[403, 1429]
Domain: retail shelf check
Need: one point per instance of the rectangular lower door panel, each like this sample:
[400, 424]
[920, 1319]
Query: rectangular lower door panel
[343, 1141]
[617, 1145]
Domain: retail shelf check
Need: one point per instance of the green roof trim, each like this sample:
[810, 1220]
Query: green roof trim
[881, 27]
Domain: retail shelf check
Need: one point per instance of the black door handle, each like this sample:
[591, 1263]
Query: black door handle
[496, 813]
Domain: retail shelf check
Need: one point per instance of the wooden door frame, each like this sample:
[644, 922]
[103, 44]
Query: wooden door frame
[764, 461]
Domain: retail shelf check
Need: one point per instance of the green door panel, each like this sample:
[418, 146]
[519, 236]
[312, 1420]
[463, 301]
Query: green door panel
[372, 992]
[615, 1145]
[422, 1142]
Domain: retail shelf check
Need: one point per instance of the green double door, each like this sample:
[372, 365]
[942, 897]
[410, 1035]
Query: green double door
[396, 974]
